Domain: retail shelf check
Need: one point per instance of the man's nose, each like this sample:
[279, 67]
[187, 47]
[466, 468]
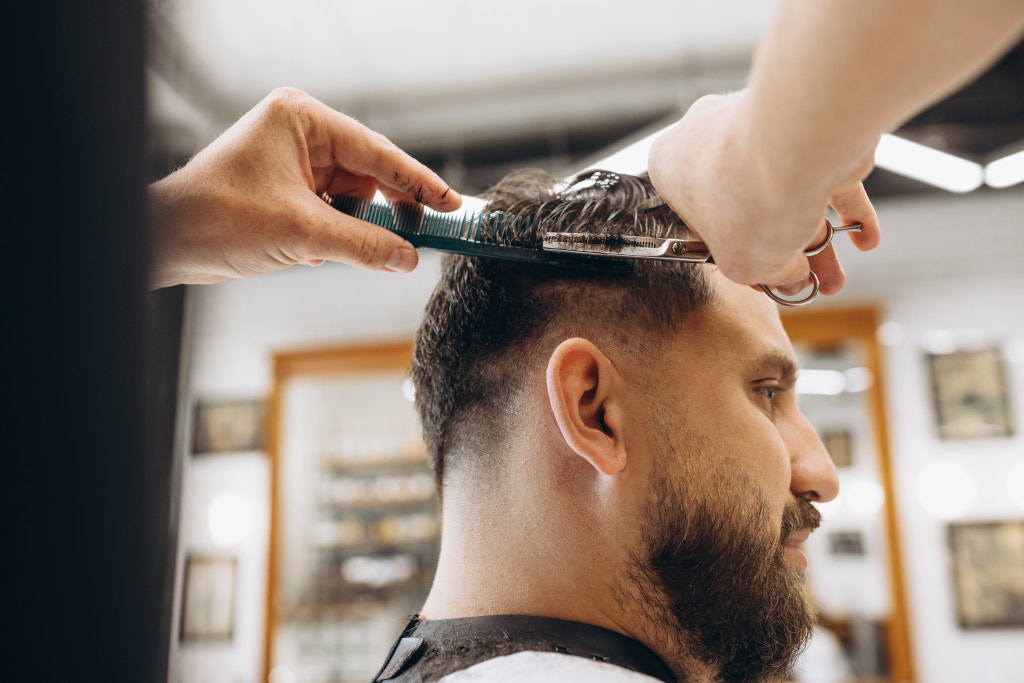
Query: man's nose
[812, 470]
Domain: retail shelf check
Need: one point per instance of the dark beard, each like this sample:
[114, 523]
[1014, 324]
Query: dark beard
[714, 579]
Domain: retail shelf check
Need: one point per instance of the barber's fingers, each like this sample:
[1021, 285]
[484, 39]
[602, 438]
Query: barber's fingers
[854, 206]
[826, 266]
[361, 151]
[792, 278]
[334, 236]
[349, 185]
[337, 182]
[394, 195]
[831, 276]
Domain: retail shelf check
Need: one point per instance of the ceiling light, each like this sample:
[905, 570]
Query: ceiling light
[927, 165]
[631, 160]
[823, 382]
[1006, 171]
[895, 154]
[858, 379]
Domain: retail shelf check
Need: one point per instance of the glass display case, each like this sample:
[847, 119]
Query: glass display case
[355, 516]
[855, 570]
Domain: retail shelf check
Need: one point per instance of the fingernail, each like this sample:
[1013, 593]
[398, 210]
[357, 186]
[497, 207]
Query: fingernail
[402, 260]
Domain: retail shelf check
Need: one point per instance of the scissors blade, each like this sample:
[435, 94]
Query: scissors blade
[628, 246]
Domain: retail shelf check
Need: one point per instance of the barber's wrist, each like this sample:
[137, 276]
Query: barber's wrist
[170, 223]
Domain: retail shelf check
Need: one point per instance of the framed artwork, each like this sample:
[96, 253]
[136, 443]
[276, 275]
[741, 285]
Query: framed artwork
[970, 394]
[228, 426]
[208, 599]
[846, 543]
[839, 444]
[988, 573]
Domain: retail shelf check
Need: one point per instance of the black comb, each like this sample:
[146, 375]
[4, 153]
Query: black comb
[465, 232]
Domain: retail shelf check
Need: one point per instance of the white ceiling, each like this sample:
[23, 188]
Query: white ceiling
[454, 70]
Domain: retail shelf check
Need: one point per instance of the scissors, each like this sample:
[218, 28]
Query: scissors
[671, 249]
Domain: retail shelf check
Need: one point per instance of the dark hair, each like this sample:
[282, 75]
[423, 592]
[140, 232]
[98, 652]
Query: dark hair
[489, 322]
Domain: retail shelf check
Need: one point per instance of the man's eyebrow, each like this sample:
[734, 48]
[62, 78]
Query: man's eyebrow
[776, 363]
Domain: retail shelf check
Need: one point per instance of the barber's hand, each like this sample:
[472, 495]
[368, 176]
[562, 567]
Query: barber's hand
[756, 226]
[250, 202]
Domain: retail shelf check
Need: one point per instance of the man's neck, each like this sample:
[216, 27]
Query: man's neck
[500, 559]
[517, 576]
[490, 569]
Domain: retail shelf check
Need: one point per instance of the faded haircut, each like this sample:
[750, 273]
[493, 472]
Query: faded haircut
[490, 324]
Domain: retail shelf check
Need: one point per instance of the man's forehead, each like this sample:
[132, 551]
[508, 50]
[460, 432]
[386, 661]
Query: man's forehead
[741, 320]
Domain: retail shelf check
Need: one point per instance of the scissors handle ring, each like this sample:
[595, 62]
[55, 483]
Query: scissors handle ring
[794, 302]
[829, 233]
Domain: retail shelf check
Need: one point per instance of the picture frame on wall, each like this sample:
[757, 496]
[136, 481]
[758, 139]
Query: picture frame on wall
[847, 544]
[987, 562]
[970, 394]
[228, 427]
[208, 598]
[839, 445]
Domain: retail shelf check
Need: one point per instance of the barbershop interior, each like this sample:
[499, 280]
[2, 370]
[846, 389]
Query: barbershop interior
[302, 526]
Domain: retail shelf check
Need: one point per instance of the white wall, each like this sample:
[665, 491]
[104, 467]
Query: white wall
[966, 282]
[952, 268]
[233, 329]
[946, 263]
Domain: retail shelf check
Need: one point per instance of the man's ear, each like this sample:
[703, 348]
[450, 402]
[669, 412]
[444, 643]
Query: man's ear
[585, 392]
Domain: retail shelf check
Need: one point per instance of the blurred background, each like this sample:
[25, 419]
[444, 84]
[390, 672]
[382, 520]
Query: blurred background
[305, 530]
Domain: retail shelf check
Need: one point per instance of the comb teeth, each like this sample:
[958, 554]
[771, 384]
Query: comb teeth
[490, 235]
[411, 219]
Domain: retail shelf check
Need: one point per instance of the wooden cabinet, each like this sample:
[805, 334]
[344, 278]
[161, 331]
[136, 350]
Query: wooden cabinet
[355, 530]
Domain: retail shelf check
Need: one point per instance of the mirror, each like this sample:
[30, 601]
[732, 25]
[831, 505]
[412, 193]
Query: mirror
[355, 522]
[855, 570]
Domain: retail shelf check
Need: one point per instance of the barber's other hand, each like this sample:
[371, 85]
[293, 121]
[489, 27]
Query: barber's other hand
[250, 202]
[756, 221]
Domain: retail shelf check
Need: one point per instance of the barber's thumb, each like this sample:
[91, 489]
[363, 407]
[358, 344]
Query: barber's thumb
[361, 244]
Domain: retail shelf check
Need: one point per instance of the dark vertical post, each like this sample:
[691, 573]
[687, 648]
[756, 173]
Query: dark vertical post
[84, 502]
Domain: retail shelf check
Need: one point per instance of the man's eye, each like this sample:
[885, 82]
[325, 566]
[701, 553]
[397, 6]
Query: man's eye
[769, 392]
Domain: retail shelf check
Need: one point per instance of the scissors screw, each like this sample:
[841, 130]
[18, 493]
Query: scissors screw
[678, 248]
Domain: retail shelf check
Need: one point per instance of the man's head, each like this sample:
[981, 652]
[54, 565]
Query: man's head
[489, 320]
[644, 421]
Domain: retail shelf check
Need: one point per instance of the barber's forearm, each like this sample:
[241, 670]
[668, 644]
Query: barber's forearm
[832, 75]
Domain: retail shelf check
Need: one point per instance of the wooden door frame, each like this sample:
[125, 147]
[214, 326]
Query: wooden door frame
[860, 324]
[344, 360]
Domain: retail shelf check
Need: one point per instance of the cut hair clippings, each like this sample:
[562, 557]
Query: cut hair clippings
[492, 234]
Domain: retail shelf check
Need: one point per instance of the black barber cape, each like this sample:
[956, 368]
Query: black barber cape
[430, 650]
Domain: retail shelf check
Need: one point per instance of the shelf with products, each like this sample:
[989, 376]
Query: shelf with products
[376, 529]
[356, 530]
[373, 486]
[344, 450]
